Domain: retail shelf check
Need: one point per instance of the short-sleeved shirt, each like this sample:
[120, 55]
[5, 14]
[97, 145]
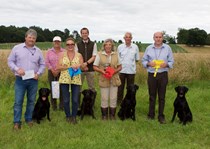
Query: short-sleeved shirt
[128, 57]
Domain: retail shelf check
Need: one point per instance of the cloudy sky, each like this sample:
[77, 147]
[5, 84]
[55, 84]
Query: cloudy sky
[109, 18]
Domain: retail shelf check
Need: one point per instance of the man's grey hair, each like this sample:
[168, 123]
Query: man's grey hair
[128, 33]
[31, 32]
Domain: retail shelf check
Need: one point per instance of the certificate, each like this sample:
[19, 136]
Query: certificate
[29, 74]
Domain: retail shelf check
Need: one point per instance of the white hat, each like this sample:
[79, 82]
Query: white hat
[57, 38]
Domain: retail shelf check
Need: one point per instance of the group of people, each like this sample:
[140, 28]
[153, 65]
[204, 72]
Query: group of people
[116, 68]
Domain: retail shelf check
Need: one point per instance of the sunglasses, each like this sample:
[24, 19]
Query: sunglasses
[72, 44]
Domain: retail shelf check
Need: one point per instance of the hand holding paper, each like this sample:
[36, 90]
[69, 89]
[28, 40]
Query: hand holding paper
[28, 75]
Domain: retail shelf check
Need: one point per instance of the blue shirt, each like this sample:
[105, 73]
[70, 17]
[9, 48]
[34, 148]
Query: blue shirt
[162, 53]
[27, 59]
[128, 57]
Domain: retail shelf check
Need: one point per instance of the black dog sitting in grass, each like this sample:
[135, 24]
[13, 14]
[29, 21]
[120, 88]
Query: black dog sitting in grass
[87, 103]
[181, 106]
[42, 106]
[128, 104]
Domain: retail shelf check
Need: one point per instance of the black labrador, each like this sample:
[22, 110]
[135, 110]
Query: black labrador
[127, 109]
[42, 106]
[88, 102]
[181, 106]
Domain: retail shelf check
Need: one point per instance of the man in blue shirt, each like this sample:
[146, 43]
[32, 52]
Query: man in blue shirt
[27, 62]
[157, 59]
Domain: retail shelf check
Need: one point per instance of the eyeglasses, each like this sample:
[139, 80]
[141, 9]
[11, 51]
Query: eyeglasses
[72, 44]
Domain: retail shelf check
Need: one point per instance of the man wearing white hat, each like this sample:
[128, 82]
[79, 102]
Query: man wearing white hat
[53, 74]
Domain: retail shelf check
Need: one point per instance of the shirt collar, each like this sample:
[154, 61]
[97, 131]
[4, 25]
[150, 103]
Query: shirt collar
[61, 49]
[86, 41]
[33, 48]
[104, 53]
[153, 46]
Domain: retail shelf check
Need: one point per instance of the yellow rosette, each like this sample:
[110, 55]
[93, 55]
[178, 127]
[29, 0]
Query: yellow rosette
[157, 65]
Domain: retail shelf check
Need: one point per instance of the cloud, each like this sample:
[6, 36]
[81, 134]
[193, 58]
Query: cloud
[110, 18]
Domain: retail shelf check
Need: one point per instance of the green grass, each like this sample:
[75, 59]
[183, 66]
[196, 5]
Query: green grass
[90, 133]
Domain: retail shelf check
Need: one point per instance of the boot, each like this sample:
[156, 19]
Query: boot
[74, 121]
[104, 112]
[112, 112]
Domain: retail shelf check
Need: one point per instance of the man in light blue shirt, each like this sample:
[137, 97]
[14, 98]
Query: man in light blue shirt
[129, 55]
[157, 59]
[27, 63]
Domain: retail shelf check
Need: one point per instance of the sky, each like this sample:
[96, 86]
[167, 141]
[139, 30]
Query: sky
[109, 18]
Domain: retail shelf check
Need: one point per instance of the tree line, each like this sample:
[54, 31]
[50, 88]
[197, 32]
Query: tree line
[11, 34]
[193, 37]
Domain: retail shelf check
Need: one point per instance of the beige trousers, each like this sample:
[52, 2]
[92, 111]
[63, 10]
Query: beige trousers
[89, 78]
[109, 93]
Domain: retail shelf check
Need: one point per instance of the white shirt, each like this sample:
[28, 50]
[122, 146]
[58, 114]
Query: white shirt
[128, 57]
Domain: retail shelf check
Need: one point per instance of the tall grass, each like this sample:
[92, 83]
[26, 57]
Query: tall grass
[190, 69]
[187, 67]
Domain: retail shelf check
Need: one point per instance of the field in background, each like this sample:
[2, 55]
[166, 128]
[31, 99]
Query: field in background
[191, 63]
[191, 68]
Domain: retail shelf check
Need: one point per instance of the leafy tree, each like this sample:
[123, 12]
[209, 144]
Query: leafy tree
[48, 35]
[196, 37]
[169, 39]
[182, 36]
[208, 39]
[66, 33]
[120, 41]
[59, 33]
[76, 36]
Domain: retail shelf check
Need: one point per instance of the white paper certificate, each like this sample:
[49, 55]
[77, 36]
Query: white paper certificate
[28, 75]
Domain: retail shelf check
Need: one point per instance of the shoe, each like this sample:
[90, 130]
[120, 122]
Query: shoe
[68, 119]
[61, 108]
[150, 118]
[30, 124]
[17, 126]
[162, 121]
[74, 121]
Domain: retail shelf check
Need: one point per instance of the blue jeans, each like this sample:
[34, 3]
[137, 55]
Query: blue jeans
[21, 86]
[66, 98]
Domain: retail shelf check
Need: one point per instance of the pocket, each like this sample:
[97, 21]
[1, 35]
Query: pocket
[117, 81]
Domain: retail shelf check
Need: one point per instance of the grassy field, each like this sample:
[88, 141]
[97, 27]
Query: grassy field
[191, 68]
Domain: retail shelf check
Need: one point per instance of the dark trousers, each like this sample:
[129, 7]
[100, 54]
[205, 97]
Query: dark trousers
[53, 100]
[73, 96]
[129, 79]
[157, 85]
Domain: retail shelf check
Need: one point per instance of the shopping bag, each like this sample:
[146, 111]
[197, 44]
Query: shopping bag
[55, 89]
